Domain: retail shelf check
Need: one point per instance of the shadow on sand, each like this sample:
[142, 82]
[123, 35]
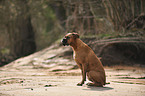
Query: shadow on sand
[91, 88]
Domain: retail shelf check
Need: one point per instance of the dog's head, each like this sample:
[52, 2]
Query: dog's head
[69, 38]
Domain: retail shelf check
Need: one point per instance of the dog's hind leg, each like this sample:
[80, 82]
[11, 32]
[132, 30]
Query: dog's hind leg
[97, 78]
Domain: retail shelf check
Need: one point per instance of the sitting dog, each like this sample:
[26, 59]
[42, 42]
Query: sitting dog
[86, 60]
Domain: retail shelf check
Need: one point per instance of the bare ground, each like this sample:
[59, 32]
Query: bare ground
[48, 73]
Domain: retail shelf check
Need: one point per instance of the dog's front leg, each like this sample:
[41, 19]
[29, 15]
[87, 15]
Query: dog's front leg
[84, 68]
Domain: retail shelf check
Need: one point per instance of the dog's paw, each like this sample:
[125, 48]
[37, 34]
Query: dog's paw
[94, 84]
[79, 84]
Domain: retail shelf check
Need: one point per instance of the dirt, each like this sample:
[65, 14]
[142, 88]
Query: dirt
[50, 73]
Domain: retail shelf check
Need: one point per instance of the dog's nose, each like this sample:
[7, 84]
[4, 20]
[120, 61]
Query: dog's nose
[64, 41]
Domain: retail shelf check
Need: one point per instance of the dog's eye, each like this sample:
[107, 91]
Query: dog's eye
[67, 37]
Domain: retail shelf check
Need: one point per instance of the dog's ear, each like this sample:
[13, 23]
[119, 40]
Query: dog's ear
[76, 35]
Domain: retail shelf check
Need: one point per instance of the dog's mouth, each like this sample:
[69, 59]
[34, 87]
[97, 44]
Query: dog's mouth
[64, 42]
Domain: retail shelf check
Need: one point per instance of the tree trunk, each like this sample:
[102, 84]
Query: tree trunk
[21, 33]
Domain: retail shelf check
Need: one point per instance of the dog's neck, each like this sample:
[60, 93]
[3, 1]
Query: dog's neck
[77, 44]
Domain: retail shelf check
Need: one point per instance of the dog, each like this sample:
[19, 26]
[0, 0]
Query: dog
[86, 60]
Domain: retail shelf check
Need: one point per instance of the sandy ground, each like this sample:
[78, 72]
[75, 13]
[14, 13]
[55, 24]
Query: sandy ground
[49, 74]
[38, 82]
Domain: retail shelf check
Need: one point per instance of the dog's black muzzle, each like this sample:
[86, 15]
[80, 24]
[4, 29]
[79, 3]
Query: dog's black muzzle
[64, 42]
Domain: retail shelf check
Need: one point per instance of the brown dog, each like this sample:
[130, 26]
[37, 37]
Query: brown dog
[87, 61]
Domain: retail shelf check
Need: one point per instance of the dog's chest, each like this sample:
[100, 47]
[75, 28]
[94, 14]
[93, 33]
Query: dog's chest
[74, 55]
[78, 57]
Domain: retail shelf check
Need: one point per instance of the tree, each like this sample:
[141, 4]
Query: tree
[19, 27]
[126, 14]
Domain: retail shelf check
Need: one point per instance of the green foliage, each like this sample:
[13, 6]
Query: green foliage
[4, 51]
[47, 26]
[51, 18]
[105, 35]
